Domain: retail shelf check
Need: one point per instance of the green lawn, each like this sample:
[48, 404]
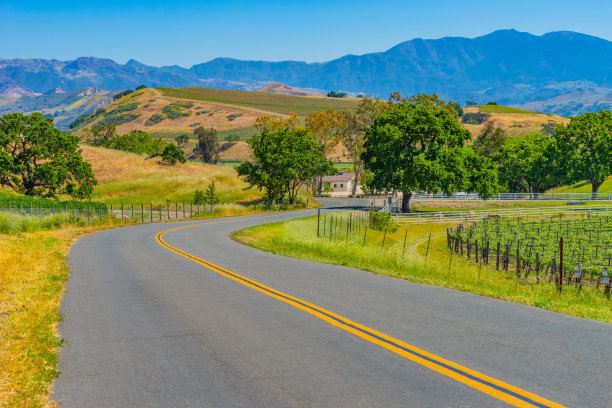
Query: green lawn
[502, 109]
[298, 239]
[584, 187]
[275, 103]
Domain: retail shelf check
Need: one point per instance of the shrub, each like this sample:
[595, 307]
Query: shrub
[476, 118]
[174, 111]
[202, 112]
[156, 118]
[233, 137]
[118, 119]
[381, 221]
[491, 103]
[195, 124]
[172, 155]
[138, 142]
[233, 116]
[334, 94]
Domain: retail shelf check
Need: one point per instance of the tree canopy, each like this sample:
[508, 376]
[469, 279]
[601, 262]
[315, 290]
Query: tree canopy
[36, 158]
[529, 163]
[585, 145]
[284, 160]
[420, 147]
[490, 140]
[352, 133]
[172, 154]
[208, 144]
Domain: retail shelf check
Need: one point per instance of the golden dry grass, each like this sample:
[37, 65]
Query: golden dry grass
[515, 124]
[217, 117]
[125, 178]
[32, 275]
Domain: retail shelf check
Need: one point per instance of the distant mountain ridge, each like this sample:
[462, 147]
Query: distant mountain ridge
[560, 72]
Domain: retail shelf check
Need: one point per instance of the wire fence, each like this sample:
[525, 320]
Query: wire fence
[443, 217]
[90, 212]
[515, 197]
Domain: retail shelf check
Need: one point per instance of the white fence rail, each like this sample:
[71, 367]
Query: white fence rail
[516, 197]
[478, 215]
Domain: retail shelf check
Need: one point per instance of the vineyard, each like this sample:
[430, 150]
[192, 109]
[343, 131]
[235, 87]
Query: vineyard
[573, 250]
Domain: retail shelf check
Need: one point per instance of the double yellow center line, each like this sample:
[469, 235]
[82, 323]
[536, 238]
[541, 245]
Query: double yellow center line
[491, 386]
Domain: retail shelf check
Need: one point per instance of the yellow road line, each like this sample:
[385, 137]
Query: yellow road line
[508, 393]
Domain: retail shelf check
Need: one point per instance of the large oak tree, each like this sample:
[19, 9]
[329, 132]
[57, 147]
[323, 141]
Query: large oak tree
[421, 147]
[585, 147]
[36, 158]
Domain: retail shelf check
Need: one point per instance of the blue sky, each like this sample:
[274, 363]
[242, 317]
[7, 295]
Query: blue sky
[186, 32]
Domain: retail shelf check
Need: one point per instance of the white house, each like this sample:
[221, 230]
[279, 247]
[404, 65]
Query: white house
[340, 185]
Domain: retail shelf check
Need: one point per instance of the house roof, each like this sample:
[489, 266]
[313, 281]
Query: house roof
[341, 176]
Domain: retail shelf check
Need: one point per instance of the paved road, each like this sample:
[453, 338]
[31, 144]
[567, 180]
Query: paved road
[148, 327]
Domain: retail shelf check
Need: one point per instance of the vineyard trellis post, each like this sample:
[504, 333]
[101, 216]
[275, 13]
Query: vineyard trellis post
[561, 265]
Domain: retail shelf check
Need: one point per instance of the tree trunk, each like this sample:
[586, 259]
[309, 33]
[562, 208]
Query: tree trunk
[406, 196]
[358, 171]
[596, 184]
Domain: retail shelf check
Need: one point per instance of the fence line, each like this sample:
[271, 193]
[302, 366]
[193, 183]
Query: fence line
[91, 212]
[514, 197]
[479, 215]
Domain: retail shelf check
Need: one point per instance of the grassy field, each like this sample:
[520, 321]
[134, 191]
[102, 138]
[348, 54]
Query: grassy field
[584, 187]
[502, 109]
[298, 239]
[126, 178]
[33, 272]
[266, 102]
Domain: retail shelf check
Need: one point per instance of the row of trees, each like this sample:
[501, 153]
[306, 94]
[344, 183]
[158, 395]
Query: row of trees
[563, 154]
[418, 144]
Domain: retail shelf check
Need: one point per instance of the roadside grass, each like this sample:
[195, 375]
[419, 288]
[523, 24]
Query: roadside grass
[425, 206]
[503, 109]
[33, 272]
[584, 187]
[268, 102]
[298, 239]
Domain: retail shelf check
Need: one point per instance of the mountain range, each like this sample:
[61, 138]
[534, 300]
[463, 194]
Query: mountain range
[560, 72]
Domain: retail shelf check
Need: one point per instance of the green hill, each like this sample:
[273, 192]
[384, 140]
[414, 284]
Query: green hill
[584, 187]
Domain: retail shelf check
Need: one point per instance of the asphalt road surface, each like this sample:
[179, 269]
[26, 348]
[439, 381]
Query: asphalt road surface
[190, 318]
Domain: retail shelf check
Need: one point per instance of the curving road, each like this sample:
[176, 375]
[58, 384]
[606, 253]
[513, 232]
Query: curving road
[190, 318]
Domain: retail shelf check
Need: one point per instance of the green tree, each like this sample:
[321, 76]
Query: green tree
[529, 163]
[284, 160]
[352, 134]
[172, 154]
[585, 148]
[208, 144]
[416, 147]
[38, 159]
[137, 141]
[181, 140]
[198, 197]
[211, 196]
[102, 136]
[549, 128]
[490, 140]
[471, 103]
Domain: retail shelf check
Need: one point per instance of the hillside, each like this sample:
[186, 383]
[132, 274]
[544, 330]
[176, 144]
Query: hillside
[282, 89]
[125, 178]
[560, 72]
[516, 122]
[63, 106]
[166, 112]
